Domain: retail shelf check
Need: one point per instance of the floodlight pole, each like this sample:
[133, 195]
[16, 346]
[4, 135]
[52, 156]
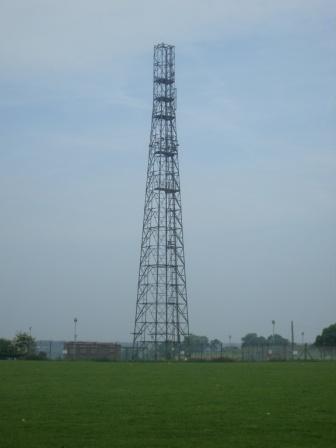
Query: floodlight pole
[29, 344]
[75, 336]
[273, 324]
[292, 334]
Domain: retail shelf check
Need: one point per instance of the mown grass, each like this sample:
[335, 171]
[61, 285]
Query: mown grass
[78, 404]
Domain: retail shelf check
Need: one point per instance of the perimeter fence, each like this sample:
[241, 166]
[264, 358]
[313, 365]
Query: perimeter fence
[223, 353]
[255, 353]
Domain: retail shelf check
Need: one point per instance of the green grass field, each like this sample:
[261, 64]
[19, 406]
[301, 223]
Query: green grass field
[78, 404]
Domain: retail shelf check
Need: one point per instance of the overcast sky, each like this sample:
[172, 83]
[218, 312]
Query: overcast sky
[256, 127]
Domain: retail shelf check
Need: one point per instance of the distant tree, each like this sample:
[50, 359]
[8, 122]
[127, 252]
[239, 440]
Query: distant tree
[194, 343]
[252, 339]
[6, 348]
[278, 340]
[215, 345]
[328, 337]
[24, 345]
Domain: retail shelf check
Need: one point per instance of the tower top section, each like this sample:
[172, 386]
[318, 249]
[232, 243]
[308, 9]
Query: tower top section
[164, 64]
[164, 92]
[163, 45]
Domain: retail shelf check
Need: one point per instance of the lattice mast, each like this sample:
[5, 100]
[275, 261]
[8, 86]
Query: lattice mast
[161, 320]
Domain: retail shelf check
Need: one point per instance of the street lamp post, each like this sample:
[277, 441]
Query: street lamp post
[30, 340]
[302, 337]
[273, 339]
[75, 336]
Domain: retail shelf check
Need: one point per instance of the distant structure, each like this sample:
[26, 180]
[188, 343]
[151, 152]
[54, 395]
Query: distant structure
[81, 350]
[52, 349]
[161, 318]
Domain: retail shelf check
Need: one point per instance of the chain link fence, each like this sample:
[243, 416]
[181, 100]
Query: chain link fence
[304, 352]
[258, 353]
[233, 353]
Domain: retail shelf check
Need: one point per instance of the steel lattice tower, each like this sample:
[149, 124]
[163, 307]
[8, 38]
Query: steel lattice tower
[161, 319]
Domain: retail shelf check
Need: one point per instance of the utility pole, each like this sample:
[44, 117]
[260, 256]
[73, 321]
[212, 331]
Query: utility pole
[75, 337]
[161, 318]
[292, 338]
[271, 352]
[30, 341]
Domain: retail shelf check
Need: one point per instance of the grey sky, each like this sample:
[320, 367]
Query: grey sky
[256, 106]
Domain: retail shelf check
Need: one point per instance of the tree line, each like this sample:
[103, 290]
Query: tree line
[22, 346]
[194, 343]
